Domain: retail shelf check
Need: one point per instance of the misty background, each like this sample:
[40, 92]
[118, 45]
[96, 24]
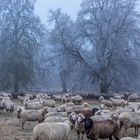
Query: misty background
[65, 46]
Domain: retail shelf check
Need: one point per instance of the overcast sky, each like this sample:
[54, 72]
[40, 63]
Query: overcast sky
[68, 6]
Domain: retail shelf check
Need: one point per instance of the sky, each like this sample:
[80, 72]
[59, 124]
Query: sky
[70, 7]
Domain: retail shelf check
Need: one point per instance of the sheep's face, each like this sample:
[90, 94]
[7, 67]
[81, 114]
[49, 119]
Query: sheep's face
[88, 124]
[80, 117]
[44, 112]
[72, 117]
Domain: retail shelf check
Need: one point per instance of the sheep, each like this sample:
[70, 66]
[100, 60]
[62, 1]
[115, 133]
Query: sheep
[59, 114]
[133, 97]
[57, 97]
[9, 106]
[118, 96]
[2, 105]
[18, 111]
[32, 115]
[21, 98]
[88, 112]
[101, 129]
[107, 103]
[76, 108]
[79, 127]
[52, 131]
[118, 102]
[49, 103]
[106, 116]
[103, 112]
[121, 110]
[64, 99]
[130, 119]
[129, 138]
[77, 99]
[55, 119]
[33, 106]
[69, 104]
[61, 108]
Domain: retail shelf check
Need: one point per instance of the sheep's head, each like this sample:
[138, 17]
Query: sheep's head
[72, 117]
[80, 117]
[88, 124]
[94, 110]
[44, 112]
[101, 98]
[115, 116]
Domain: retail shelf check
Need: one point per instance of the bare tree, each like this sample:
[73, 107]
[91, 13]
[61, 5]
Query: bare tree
[21, 33]
[104, 39]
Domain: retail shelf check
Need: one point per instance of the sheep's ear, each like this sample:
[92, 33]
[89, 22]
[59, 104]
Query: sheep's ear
[83, 120]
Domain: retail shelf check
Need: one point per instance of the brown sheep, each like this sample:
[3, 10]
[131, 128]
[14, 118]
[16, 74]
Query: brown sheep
[101, 129]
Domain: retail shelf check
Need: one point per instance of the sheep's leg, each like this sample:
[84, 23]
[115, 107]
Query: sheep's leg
[82, 135]
[136, 131]
[23, 124]
[78, 135]
[117, 138]
[110, 137]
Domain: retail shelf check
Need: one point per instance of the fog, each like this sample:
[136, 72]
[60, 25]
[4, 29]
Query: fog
[92, 46]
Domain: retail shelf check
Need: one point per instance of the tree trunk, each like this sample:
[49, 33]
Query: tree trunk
[64, 86]
[16, 80]
[103, 87]
[16, 86]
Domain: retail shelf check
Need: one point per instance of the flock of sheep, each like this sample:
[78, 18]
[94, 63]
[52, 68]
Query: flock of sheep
[59, 115]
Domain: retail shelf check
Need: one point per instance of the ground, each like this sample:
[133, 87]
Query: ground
[10, 128]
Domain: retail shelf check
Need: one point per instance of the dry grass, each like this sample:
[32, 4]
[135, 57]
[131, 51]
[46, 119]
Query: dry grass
[10, 129]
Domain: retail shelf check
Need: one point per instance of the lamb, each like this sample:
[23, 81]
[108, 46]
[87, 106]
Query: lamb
[52, 131]
[32, 115]
[101, 129]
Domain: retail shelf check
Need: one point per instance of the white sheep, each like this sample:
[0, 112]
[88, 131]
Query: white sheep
[118, 102]
[33, 106]
[32, 115]
[130, 119]
[55, 119]
[58, 114]
[52, 131]
[9, 106]
[49, 103]
[129, 138]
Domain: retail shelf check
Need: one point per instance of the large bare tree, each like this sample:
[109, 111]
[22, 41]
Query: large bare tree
[103, 39]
